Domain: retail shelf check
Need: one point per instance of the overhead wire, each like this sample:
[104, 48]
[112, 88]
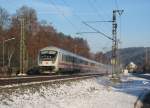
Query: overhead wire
[68, 20]
[88, 24]
[99, 7]
[95, 9]
[98, 31]
[73, 25]
[73, 14]
[77, 16]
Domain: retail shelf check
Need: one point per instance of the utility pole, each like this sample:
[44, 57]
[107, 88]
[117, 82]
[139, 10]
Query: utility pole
[115, 60]
[146, 55]
[22, 48]
[3, 53]
[147, 64]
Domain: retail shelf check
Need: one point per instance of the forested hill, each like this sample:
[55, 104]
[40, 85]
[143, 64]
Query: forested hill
[133, 54]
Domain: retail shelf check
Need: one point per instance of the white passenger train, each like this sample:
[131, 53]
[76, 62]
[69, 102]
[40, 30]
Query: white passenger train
[53, 59]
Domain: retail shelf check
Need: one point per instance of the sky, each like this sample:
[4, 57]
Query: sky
[67, 16]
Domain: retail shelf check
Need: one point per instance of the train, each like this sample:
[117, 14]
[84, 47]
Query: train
[55, 60]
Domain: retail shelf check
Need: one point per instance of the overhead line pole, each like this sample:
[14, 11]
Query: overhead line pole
[115, 61]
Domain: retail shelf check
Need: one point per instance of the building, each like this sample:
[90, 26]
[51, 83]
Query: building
[131, 67]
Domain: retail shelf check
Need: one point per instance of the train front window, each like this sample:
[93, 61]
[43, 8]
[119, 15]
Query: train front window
[48, 55]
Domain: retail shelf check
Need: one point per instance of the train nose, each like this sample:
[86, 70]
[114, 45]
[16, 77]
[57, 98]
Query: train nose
[48, 63]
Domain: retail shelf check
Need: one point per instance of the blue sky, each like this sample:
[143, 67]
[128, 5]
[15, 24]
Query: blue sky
[67, 16]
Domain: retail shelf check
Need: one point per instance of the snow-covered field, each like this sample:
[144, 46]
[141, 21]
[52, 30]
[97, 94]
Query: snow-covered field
[87, 93]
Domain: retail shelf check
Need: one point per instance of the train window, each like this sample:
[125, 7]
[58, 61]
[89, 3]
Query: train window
[48, 55]
[78, 60]
[63, 58]
[81, 61]
[75, 60]
[85, 63]
[92, 64]
[71, 58]
[67, 58]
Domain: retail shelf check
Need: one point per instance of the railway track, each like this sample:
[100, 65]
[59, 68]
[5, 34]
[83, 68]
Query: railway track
[29, 79]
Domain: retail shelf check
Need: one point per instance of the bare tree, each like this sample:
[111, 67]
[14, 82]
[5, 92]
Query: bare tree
[10, 54]
[4, 18]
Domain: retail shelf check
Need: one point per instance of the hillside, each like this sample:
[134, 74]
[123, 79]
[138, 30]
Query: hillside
[132, 54]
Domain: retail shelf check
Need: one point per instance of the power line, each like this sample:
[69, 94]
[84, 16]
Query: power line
[97, 21]
[103, 34]
[74, 13]
[99, 7]
[85, 32]
[95, 9]
[77, 16]
[73, 25]
[87, 21]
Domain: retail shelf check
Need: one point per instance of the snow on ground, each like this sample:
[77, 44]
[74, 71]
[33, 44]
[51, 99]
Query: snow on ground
[133, 86]
[87, 93]
[147, 74]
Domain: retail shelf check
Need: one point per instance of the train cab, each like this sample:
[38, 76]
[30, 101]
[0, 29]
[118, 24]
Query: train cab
[47, 59]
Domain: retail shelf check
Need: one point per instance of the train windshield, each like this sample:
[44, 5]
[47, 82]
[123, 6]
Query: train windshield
[48, 55]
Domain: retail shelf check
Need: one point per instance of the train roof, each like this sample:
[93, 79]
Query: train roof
[64, 51]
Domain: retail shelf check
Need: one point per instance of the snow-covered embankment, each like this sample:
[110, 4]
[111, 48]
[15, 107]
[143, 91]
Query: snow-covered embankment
[87, 93]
